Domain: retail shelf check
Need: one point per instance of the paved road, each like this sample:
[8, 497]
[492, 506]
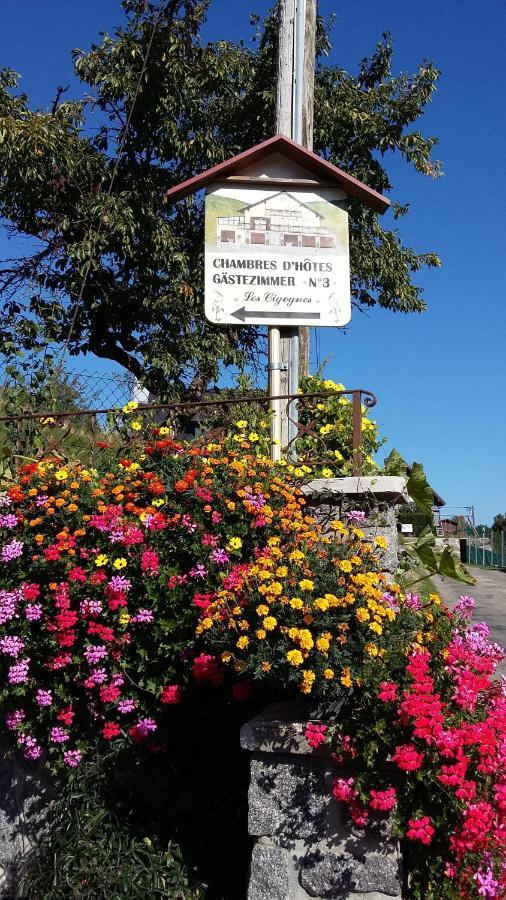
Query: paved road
[489, 594]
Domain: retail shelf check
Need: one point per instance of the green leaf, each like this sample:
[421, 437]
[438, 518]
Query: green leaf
[452, 568]
[420, 490]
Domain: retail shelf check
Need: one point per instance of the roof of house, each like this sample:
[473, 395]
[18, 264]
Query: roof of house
[321, 168]
[268, 199]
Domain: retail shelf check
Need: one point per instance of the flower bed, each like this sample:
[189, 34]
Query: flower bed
[128, 588]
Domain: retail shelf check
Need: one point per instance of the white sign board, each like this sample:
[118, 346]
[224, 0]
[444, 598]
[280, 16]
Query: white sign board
[406, 528]
[276, 257]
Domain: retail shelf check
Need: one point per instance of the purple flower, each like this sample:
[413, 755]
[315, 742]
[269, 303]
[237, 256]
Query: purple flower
[12, 645]
[14, 718]
[58, 735]
[219, 556]
[33, 611]
[9, 520]
[12, 551]
[117, 679]
[487, 884]
[120, 583]
[5, 500]
[355, 515]
[144, 617]
[465, 606]
[256, 500]
[72, 758]
[43, 698]
[8, 605]
[389, 600]
[126, 706]
[18, 673]
[144, 726]
[198, 572]
[98, 675]
[413, 601]
[94, 653]
[31, 749]
[41, 499]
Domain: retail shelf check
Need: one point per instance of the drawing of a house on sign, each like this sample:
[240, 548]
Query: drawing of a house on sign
[281, 220]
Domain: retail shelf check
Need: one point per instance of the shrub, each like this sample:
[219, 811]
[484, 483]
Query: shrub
[174, 570]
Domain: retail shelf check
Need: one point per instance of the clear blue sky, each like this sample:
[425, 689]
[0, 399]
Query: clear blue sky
[440, 376]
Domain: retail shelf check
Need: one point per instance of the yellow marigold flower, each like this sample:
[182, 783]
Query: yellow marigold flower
[123, 618]
[296, 603]
[101, 560]
[262, 610]
[376, 627]
[305, 639]
[242, 642]
[381, 541]
[235, 543]
[244, 625]
[337, 525]
[345, 565]
[435, 599]
[328, 674]
[358, 533]
[273, 541]
[322, 644]
[261, 634]
[325, 429]
[296, 556]
[241, 424]
[39, 538]
[306, 584]
[72, 507]
[281, 572]
[270, 623]
[321, 603]
[346, 679]
[226, 656]
[295, 657]
[207, 623]
[61, 475]
[332, 600]
[308, 678]
[371, 649]
[230, 506]
[362, 614]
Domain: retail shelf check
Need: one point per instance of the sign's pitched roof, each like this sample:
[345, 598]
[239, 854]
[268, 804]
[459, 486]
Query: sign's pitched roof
[320, 167]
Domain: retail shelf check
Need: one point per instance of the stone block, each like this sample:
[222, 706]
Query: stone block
[270, 874]
[342, 876]
[288, 800]
[25, 797]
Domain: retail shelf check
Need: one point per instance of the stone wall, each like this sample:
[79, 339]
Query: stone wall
[25, 797]
[305, 844]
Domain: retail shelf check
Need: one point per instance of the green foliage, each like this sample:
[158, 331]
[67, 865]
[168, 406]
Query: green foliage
[91, 852]
[197, 104]
[420, 490]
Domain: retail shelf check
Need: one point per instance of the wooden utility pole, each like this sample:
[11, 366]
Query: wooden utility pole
[294, 118]
[307, 140]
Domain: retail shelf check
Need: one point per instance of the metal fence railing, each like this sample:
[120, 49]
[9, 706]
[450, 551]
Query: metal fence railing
[79, 431]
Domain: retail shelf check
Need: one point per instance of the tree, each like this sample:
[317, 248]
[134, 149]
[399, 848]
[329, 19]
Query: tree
[194, 104]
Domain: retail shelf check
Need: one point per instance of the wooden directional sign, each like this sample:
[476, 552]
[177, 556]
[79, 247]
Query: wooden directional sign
[276, 256]
[276, 236]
